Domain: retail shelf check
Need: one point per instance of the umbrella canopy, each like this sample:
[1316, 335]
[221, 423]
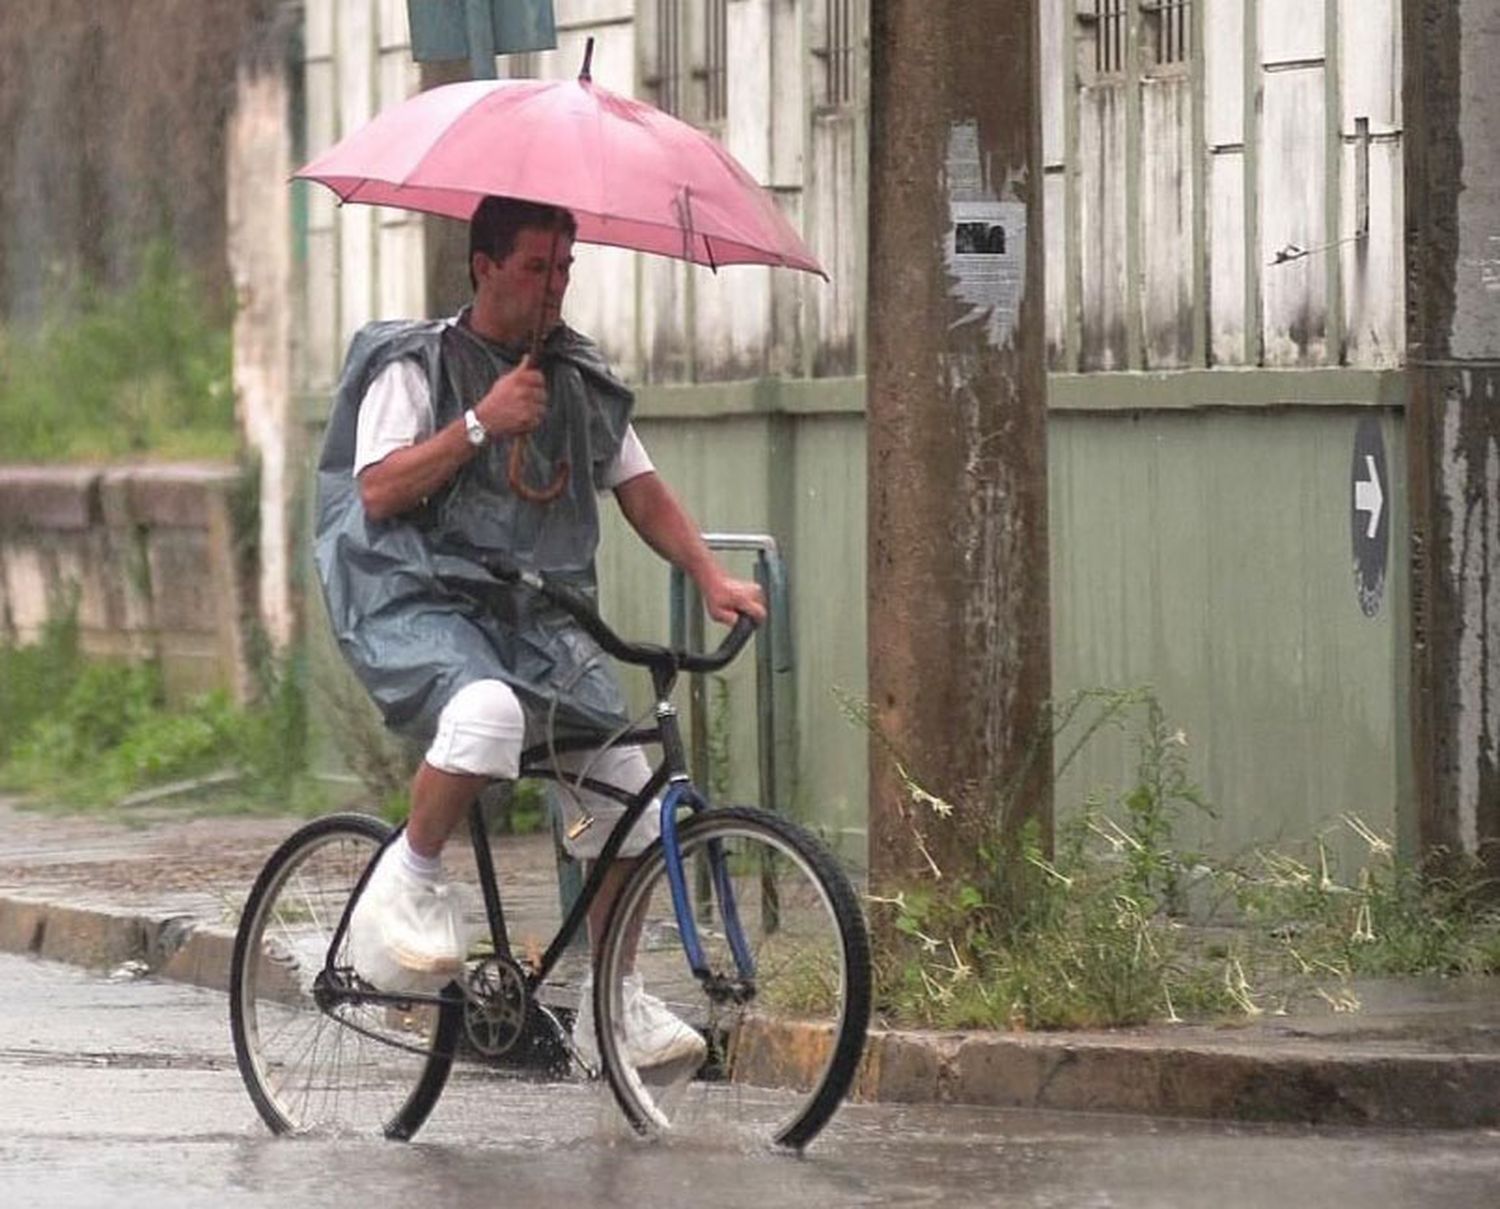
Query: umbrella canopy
[633, 176]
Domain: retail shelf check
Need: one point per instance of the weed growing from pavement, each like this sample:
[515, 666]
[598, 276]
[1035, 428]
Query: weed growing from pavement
[1386, 917]
[1121, 925]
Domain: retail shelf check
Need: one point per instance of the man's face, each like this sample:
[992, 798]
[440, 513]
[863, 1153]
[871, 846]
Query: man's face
[515, 291]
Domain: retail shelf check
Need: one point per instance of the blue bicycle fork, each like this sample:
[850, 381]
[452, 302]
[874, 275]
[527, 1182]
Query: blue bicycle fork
[679, 795]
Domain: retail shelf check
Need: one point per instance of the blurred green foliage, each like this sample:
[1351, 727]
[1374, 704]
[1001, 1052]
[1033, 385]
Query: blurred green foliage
[34, 678]
[141, 372]
[87, 733]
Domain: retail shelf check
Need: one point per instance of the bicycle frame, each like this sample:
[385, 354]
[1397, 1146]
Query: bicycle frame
[670, 774]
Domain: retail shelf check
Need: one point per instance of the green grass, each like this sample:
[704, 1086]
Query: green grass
[85, 733]
[1123, 926]
[140, 373]
[34, 678]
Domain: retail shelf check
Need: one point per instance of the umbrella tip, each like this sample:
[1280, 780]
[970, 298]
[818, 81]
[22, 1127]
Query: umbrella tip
[588, 61]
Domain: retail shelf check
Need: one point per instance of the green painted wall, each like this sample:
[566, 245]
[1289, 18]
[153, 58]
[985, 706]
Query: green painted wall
[718, 468]
[1208, 554]
[1200, 545]
[801, 478]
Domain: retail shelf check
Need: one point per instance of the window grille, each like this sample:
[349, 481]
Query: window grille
[688, 64]
[1169, 30]
[1111, 36]
[667, 79]
[1165, 37]
[715, 55]
[840, 40]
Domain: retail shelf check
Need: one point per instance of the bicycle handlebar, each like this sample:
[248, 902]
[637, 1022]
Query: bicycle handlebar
[641, 654]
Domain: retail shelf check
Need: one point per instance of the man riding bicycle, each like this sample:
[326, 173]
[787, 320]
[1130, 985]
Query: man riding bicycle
[416, 485]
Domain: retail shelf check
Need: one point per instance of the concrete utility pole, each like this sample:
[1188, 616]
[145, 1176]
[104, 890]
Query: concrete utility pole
[1452, 107]
[959, 608]
[454, 40]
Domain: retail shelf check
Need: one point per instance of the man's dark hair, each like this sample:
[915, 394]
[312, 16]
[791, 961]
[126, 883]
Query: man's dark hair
[498, 220]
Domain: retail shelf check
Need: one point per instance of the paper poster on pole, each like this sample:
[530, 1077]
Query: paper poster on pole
[986, 243]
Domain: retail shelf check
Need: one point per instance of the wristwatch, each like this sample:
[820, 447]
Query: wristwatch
[478, 435]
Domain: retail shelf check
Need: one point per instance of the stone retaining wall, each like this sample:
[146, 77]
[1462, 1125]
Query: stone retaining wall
[149, 552]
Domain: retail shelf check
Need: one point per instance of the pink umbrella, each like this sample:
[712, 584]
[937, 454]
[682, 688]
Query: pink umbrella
[633, 176]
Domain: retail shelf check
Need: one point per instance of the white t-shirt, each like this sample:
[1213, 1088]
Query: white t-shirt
[396, 412]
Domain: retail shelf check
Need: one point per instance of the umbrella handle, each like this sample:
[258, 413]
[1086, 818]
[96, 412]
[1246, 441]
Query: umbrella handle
[516, 466]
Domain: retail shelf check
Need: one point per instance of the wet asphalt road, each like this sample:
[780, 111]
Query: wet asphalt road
[125, 1093]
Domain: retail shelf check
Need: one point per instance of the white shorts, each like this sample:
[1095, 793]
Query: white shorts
[626, 767]
[482, 731]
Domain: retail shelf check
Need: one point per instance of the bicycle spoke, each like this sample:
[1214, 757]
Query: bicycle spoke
[797, 929]
[347, 1066]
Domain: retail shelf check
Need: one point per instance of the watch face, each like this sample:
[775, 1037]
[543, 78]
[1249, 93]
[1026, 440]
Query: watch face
[477, 434]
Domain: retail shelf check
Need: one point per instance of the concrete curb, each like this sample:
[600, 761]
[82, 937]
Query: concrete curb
[177, 947]
[1309, 1081]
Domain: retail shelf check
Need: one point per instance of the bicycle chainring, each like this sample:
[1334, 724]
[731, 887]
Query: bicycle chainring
[495, 1005]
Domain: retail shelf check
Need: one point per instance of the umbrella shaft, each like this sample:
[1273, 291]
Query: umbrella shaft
[539, 332]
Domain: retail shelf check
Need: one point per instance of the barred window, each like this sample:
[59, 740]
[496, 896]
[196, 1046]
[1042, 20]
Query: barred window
[1169, 31]
[1111, 36]
[666, 80]
[687, 57]
[836, 43]
[715, 54]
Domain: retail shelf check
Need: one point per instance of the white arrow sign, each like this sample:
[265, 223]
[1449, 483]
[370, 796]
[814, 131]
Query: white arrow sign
[1369, 498]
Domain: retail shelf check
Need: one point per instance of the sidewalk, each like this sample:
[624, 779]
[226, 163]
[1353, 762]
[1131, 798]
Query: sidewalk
[159, 895]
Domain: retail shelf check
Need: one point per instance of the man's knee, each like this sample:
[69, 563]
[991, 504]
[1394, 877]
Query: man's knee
[480, 732]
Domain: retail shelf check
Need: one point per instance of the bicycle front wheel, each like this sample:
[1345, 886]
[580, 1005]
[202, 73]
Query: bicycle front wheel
[337, 1065]
[782, 1006]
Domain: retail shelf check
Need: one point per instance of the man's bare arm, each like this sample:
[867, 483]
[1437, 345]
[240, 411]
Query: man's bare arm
[403, 479]
[654, 512]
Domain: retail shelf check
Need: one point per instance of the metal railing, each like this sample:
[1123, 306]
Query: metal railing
[773, 655]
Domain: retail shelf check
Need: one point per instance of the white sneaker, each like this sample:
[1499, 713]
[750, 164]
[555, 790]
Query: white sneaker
[406, 933]
[654, 1036]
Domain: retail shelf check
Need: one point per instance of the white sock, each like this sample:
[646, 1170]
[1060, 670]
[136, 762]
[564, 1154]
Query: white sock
[425, 867]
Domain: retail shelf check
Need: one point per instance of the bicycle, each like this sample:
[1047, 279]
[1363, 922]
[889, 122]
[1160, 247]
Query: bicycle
[739, 920]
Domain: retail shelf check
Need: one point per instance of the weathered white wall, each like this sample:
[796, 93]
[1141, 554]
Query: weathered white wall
[1293, 182]
[1056, 39]
[1103, 231]
[258, 159]
[1167, 202]
[1171, 192]
[362, 264]
[1476, 335]
[1224, 134]
[1373, 269]
[1245, 170]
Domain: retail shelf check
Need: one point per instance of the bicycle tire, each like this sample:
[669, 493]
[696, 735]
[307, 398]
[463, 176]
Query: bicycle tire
[308, 1069]
[811, 984]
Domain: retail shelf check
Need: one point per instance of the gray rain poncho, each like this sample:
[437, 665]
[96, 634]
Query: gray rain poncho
[413, 609]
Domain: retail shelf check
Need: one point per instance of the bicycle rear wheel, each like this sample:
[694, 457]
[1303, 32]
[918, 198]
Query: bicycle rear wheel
[784, 1025]
[339, 1066]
